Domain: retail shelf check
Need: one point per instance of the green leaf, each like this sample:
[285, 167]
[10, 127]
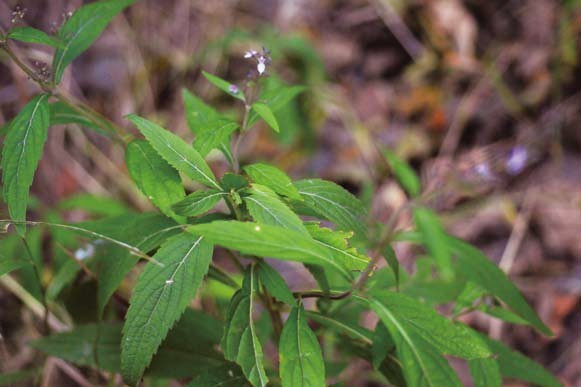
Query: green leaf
[228, 375]
[201, 118]
[421, 362]
[503, 314]
[301, 359]
[333, 203]
[391, 258]
[154, 177]
[159, 298]
[451, 339]
[231, 181]
[32, 35]
[82, 29]
[274, 283]
[21, 153]
[404, 173]
[174, 150]
[354, 331]
[273, 178]
[223, 85]
[276, 98]
[382, 344]
[214, 135]
[240, 342]
[9, 265]
[94, 205]
[267, 241]
[63, 114]
[198, 202]
[187, 351]
[199, 115]
[336, 242]
[485, 372]
[435, 239]
[145, 231]
[266, 114]
[476, 267]
[470, 293]
[515, 365]
[17, 378]
[266, 208]
[63, 277]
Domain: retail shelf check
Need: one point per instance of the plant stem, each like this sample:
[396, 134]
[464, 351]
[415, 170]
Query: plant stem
[44, 85]
[365, 275]
[238, 140]
[118, 133]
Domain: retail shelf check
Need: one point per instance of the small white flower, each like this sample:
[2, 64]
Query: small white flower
[233, 89]
[261, 67]
[250, 53]
[85, 252]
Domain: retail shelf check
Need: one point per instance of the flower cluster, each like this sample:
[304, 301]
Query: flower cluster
[262, 59]
[17, 14]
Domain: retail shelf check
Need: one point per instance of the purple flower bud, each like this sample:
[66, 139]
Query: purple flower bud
[517, 160]
[233, 89]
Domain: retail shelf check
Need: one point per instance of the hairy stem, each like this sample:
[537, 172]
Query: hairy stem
[118, 133]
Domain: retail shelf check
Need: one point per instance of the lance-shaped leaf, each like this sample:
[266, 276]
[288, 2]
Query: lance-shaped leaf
[485, 372]
[333, 203]
[266, 114]
[515, 365]
[266, 208]
[214, 135]
[476, 267]
[240, 341]
[187, 351]
[21, 153]
[276, 98]
[273, 178]
[451, 339]
[201, 118]
[82, 29]
[404, 173]
[223, 85]
[175, 151]
[274, 283]
[198, 202]
[199, 115]
[154, 177]
[382, 344]
[435, 239]
[160, 297]
[144, 231]
[7, 265]
[301, 359]
[228, 375]
[336, 242]
[32, 35]
[268, 241]
[389, 254]
[421, 362]
[63, 114]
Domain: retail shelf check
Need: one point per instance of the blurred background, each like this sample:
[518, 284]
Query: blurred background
[481, 97]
